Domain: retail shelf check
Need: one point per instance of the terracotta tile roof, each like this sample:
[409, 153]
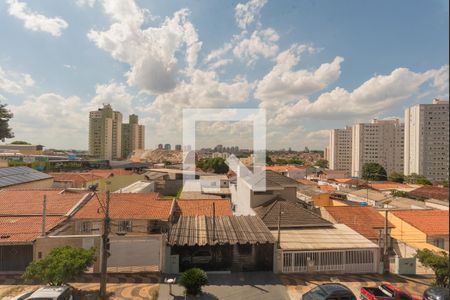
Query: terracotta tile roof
[29, 202]
[351, 181]
[327, 188]
[388, 186]
[363, 219]
[430, 222]
[131, 206]
[293, 215]
[306, 182]
[204, 207]
[283, 168]
[25, 229]
[429, 191]
[77, 178]
[106, 173]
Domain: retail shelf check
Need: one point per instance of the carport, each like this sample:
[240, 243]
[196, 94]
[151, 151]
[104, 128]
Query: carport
[224, 243]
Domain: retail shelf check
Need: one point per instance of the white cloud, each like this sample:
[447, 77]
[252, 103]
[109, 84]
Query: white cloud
[441, 79]
[150, 52]
[262, 43]
[374, 96]
[283, 84]
[89, 3]
[115, 94]
[35, 21]
[51, 117]
[248, 13]
[13, 82]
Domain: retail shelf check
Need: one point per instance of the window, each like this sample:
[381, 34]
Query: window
[154, 226]
[124, 226]
[86, 226]
[439, 242]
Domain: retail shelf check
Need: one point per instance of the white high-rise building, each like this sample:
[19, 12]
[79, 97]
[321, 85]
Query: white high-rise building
[340, 149]
[105, 130]
[381, 141]
[426, 140]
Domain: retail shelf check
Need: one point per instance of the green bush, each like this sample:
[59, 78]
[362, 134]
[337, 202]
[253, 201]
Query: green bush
[193, 280]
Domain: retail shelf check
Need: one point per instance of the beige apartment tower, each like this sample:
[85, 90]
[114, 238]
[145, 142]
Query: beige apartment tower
[340, 149]
[132, 136]
[381, 141]
[426, 140]
[109, 138]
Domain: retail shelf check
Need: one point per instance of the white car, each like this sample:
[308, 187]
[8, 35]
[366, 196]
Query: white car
[48, 293]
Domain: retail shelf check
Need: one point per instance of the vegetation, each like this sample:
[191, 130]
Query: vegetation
[322, 163]
[417, 179]
[216, 165]
[20, 143]
[61, 265]
[269, 161]
[403, 194]
[438, 262]
[373, 171]
[284, 161]
[193, 280]
[396, 177]
[5, 116]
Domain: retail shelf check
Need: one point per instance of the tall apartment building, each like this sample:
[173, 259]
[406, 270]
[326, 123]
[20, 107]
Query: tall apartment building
[340, 149]
[132, 136]
[381, 141]
[426, 140]
[109, 138]
[105, 132]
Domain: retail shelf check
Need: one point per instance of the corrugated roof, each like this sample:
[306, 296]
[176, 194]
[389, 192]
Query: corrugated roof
[198, 231]
[293, 215]
[18, 175]
[338, 237]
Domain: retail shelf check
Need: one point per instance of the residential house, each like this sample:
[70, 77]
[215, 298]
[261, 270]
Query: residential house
[332, 174]
[310, 244]
[21, 222]
[24, 178]
[433, 196]
[315, 197]
[346, 183]
[368, 197]
[138, 187]
[419, 229]
[289, 171]
[387, 186]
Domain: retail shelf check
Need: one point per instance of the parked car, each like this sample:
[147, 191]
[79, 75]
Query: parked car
[48, 293]
[386, 292]
[436, 293]
[335, 291]
[24, 296]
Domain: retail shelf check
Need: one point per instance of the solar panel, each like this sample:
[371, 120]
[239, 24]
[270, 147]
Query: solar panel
[18, 175]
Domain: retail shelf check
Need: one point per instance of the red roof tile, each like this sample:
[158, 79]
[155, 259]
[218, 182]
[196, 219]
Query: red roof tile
[77, 178]
[204, 207]
[327, 188]
[283, 168]
[430, 222]
[388, 186]
[132, 206]
[20, 229]
[363, 219]
[429, 191]
[29, 202]
[105, 173]
[306, 182]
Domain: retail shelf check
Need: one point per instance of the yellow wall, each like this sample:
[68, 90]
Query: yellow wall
[322, 200]
[338, 203]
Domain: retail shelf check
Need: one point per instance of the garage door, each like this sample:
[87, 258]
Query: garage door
[15, 258]
[135, 252]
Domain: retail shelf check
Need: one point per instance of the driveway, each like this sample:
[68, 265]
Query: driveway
[297, 284]
[234, 286]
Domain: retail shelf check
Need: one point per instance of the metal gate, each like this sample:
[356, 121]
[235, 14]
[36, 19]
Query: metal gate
[15, 258]
[135, 254]
[348, 261]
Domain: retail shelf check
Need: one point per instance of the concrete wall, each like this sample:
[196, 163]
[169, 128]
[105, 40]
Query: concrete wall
[431, 240]
[41, 184]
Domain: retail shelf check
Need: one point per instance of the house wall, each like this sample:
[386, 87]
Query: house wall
[40, 184]
[405, 232]
[322, 200]
[43, 246]
[431, 240]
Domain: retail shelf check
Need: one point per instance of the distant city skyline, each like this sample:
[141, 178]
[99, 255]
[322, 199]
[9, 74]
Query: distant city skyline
[313, 66]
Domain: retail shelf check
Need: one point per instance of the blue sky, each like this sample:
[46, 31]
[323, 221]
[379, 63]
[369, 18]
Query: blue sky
[313, 65]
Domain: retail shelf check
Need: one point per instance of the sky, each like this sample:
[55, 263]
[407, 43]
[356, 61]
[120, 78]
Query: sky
[311, 65]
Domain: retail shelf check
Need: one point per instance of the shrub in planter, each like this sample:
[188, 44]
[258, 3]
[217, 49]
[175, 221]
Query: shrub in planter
[193, 280]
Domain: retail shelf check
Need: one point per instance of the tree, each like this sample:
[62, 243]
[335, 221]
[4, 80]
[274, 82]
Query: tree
[61, 265]
[373, 171]
[20, 143]
[396, 177]
[193, 280]
[438, 262]
[322, 163]
[216, 165]
[269, 161]
[415, 178]
[5, 116]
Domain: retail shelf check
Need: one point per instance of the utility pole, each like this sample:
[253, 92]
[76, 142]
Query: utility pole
[214, 222]
[44, 215]
[105, 249]
[279, 226]
[385, 252]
